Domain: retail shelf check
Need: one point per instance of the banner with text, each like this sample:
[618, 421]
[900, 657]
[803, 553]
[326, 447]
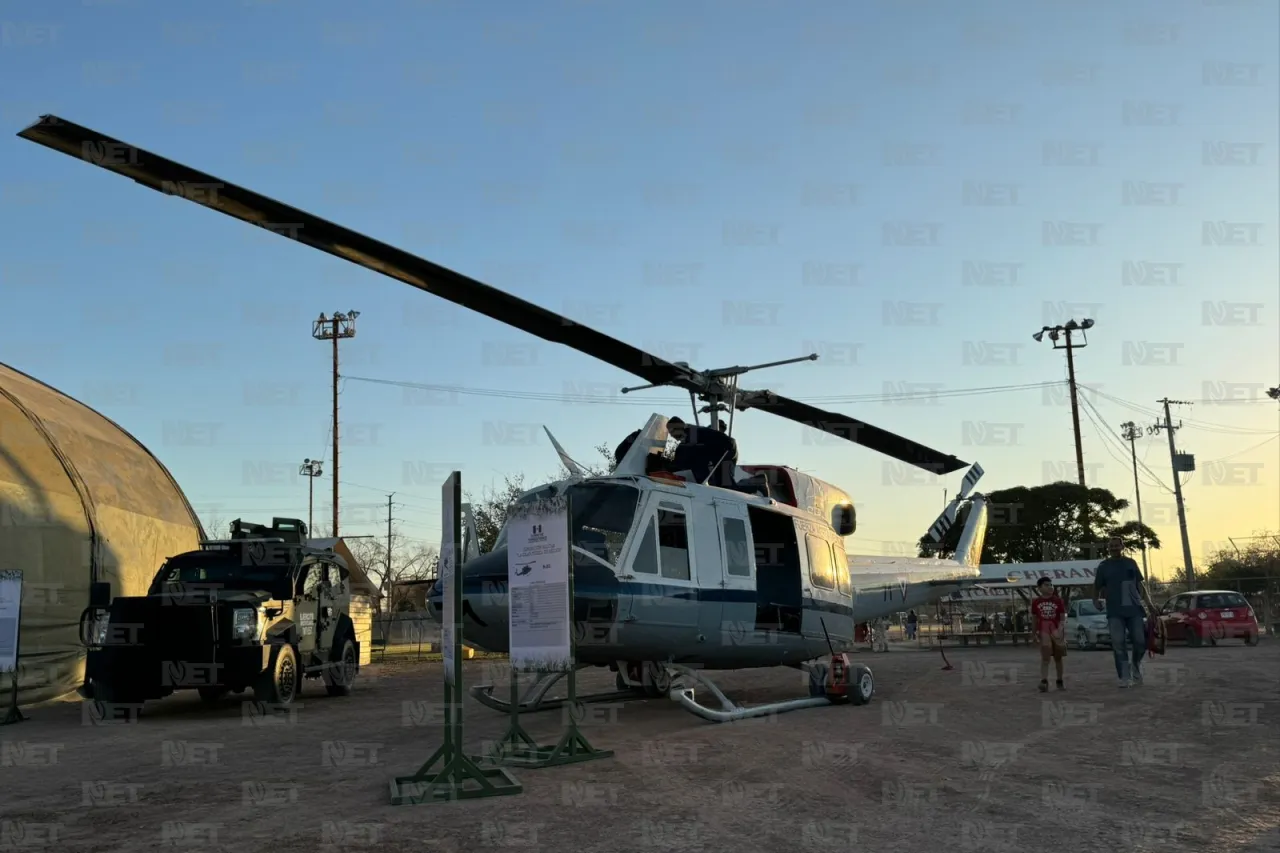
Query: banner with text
[10, 618]
[539, 605]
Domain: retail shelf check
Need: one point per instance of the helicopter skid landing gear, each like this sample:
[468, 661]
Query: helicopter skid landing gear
[730, 712]
[534, 698]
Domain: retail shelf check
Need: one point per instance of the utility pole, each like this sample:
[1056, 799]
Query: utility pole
[388, 575]
[340, 326]
[311, 468]
[1179, 466]
[1130, 434]
[1274, 394]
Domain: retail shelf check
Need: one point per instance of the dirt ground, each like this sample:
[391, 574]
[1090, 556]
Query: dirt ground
[970, 759]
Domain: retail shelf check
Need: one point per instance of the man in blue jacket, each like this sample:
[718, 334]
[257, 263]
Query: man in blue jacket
[1120, 580]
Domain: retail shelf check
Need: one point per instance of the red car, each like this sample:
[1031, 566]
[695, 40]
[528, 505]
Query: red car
[1209, 615]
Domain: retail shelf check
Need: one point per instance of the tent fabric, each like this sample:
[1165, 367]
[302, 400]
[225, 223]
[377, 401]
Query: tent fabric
[80, 500]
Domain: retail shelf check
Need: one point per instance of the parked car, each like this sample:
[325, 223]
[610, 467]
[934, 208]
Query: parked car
[1087, 624]
[1209, 615]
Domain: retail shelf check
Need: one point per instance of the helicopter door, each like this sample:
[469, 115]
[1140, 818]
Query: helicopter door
[738, 569]
[827, 609]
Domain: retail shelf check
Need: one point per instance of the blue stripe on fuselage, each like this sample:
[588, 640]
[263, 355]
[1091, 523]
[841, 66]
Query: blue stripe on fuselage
[498, 585]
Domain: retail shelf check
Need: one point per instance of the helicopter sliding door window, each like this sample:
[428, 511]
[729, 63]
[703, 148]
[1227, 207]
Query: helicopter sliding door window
[840, 566]
[673, 545]
[821, 574]
[737, 549]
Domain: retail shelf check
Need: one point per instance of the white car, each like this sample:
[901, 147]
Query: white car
[1087, 625]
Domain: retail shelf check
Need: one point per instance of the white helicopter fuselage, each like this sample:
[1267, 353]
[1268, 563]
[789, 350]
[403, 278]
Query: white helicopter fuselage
[674, 571]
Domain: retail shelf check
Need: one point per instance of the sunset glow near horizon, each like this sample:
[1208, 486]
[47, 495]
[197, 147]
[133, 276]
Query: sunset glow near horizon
[910, 193]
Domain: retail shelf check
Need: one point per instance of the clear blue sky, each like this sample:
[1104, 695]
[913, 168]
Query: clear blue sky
[560, 149]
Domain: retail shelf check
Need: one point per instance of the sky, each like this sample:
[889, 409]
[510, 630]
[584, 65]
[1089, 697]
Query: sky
[908, 189]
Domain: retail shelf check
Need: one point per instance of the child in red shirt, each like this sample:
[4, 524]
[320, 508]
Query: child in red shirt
[1049, 615]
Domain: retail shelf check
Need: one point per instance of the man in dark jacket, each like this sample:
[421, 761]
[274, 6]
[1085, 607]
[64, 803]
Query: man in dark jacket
[1120, 579]
[710, 454]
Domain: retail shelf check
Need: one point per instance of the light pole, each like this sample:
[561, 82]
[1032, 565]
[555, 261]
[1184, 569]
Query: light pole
[311, 468]
[1063, 333]
[339, 327]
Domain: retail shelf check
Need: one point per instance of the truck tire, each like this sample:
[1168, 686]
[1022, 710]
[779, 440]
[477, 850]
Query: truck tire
[279, 684]
[340, 674]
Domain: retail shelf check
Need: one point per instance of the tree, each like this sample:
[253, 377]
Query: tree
[1032, 524]
[491, 507]
[410, 560]
[1251, 570]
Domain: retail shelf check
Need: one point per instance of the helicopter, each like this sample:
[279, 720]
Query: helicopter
[673, 575]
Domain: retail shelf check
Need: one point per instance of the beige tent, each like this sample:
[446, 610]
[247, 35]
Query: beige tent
[80, 500]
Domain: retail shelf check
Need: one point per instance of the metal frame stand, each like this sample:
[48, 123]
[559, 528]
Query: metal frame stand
[449, 775]
[14, 714]
[535, 696]
[518, 748]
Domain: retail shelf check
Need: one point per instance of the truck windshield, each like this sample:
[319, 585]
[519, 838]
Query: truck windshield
[221, 571]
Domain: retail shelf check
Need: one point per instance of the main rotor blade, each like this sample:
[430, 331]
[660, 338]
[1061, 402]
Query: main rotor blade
[170, 178]
[852, 429]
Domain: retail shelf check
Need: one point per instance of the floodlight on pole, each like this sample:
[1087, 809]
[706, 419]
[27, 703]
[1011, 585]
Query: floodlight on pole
[1063, 332]
[311, 468]
[334, 329]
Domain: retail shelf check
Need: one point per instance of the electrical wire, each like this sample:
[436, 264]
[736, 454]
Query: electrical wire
[649, 401]
[1246, 450]
[1190, 423]
[1096, 418]
[1100, 425]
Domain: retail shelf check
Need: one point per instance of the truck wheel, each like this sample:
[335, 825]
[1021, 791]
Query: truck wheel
[212, 695]
[279, 684]
[340, 674]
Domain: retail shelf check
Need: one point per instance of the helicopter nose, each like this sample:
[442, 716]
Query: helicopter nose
[484, 601]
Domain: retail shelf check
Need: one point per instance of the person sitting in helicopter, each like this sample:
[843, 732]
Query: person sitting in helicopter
[709, 454]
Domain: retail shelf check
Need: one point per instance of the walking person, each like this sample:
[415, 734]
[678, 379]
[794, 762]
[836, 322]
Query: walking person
[912, 622]
[1120, 580]
[1050, 614]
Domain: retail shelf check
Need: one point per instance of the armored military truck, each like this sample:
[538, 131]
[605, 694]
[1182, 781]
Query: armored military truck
[260, 611]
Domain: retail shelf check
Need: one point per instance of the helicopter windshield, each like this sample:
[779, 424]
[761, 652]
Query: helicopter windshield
[539, 494]
[602, 515]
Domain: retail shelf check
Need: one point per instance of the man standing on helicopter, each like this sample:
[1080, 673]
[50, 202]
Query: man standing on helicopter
[710, 454]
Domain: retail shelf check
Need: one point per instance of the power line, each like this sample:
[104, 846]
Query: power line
[650, 401]
[1096, 418]
[1206, 426]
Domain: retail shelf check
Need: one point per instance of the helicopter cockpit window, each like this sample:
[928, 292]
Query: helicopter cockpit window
[820, 570]
[646, 559]
[602, 517]
[673, 545]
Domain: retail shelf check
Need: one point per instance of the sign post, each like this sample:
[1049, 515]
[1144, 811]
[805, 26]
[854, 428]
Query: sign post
[10, 621]
[540, 627]
[449, 774]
